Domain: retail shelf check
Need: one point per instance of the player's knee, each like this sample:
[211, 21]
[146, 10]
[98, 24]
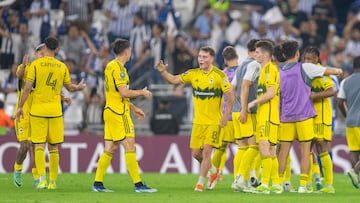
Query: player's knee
[197, 155]
[53, 147]
[322, 147]
[25, 145]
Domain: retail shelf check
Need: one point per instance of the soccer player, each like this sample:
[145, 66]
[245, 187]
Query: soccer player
[119, 127]
[349, 103]
[209, 84]
[321, 91]
[279, 59]
[226, 133]
[245, 84]
[46, 76]
[267, 117]
[22, 128]
[296, 109]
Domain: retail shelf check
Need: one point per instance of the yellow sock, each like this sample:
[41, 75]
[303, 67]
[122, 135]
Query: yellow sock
[18, 167]
[40, 161]
[216, 159]
[132, 166]
[103, 164]
[53, 165]
[237, 158]
[257, 165]
[35, 173]
[303, 179]
[287, 175]
[246, 161]
[316, 168]
[275, 171]
[309, 178]
[266, 164]
[281, 178]
[222, 161]
[327, 167]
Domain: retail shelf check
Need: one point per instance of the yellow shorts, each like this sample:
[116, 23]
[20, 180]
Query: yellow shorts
[322, 132]
[205, 134]
[267, 131]
[22, 129]
[302, 131]
[353, 138]
[227, 132]
[117, 127]
[244, 130]
[49, 130]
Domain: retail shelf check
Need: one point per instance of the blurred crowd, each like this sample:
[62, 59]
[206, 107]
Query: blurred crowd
[157, 31]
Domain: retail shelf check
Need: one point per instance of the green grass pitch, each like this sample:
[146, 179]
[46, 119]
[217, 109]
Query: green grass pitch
[172, 188]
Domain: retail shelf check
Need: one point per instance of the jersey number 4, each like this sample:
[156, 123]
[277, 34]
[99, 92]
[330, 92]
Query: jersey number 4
[51, 82]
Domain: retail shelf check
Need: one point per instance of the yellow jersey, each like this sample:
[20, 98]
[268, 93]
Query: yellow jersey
[115, 76]
[21, 84]
[322, 106]
[269, 77]
[48, 75]
[208, 89]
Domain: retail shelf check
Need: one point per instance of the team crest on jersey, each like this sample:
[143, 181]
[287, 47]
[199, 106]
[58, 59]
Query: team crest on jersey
[225, 81]
[211, 80]
[122, 75]
[21, 130]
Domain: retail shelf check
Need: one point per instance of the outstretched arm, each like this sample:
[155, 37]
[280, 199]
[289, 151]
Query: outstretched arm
[333, 71]
[128, 93]
[170, 78]
[75, 87]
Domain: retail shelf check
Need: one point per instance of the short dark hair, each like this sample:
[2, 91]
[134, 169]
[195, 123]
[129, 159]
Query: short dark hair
[120, 45]
[266, 46]
[312, 50]
[209, 50]
[229, 53]
[289, 48]
[356, 62]
[251, 44]
[51, 43]
[278, 54]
